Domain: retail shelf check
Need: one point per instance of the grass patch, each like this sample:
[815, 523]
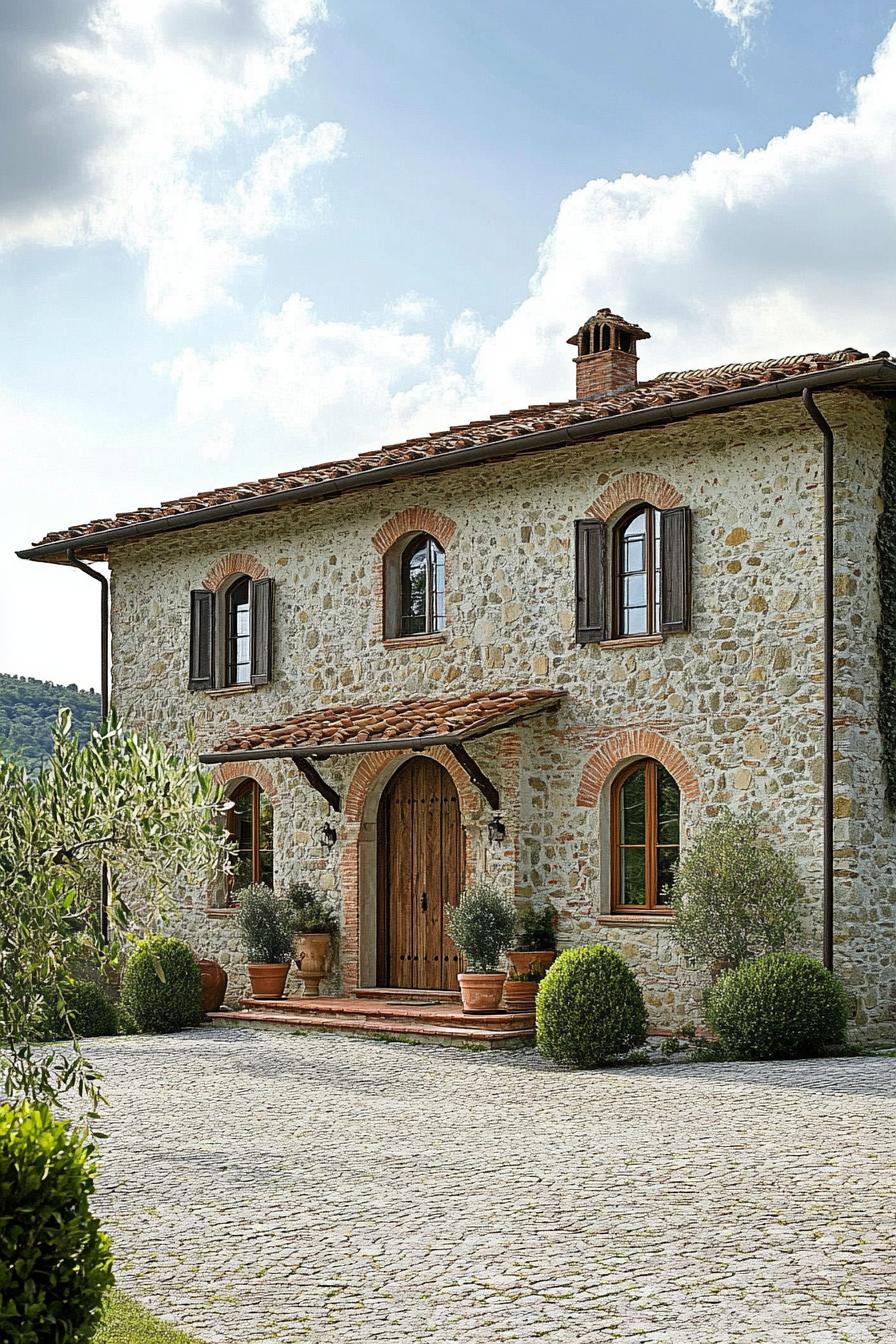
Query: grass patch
[127, 1323]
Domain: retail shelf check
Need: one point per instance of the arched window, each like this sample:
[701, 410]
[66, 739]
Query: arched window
[421, 587]
[637, 586]
[645, 825]
[238, 625]
[251, 825]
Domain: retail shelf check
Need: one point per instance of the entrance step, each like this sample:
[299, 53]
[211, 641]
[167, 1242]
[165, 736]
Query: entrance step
[402, 995]
[408, 1017]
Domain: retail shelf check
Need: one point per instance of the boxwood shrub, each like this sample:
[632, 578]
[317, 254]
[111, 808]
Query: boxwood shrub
[160, 989]
[55, 1263]
[780, 1006]
[590, 1009]
[90, 1013]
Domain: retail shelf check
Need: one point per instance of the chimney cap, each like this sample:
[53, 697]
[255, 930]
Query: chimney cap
[603, 317]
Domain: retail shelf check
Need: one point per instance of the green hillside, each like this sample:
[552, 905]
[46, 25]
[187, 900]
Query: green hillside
[28, 710]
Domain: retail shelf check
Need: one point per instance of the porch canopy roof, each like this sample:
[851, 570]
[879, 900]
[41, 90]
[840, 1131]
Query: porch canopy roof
[414, 724]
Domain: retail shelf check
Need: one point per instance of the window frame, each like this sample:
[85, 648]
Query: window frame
[651, 828]
[255, 790]
[652, 572]
[231, 639]
[397, 592]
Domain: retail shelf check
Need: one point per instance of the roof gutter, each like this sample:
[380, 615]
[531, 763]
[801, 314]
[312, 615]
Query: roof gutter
[482, 452]
[320, 750]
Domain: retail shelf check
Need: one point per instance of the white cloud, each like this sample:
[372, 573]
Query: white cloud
[161, 87]
[741, 15]
[776, 251]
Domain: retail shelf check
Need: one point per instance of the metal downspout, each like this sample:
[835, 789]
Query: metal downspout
[104, 706]
[827, 954]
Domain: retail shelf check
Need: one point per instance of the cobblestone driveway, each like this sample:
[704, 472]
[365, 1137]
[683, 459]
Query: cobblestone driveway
[266, 1187]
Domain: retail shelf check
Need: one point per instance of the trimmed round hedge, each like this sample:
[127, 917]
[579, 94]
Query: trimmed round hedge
[160, 988]
[90, 1013]
[55, 1263]
[781, 1006]
[590, 1009]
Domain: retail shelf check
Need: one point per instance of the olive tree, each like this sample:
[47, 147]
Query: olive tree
[735, 895]
[119, 800]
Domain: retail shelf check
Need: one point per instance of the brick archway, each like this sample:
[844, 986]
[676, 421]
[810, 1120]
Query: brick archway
[357, 870]
[626, 746]
[238, 562]
[373, 764]
[417, 519]
[635, 487]
[231, 771]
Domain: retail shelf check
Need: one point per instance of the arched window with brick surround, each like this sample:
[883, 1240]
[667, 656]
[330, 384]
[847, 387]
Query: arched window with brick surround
[645, 829]
[414, 587]
[250, 823]
[633, 563]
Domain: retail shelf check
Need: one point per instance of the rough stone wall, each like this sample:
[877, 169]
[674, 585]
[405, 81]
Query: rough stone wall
[739, 696]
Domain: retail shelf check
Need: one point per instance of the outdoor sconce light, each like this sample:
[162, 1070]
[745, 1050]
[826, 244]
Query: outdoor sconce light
[327, 836]
[496, 829]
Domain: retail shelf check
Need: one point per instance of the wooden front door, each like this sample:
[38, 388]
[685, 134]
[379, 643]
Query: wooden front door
[419, 873]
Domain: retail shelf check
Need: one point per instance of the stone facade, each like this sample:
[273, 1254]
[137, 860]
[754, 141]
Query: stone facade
[733, 707]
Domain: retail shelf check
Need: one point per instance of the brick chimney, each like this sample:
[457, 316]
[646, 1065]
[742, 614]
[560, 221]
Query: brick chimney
[607, 360]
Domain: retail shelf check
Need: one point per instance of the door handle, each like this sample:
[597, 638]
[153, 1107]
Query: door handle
[424, 901]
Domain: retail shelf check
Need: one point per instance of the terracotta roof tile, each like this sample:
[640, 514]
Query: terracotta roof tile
[664, 390]
[421, 716]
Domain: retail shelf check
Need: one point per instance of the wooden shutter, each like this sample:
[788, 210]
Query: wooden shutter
[675, 558]
[202, 640]
[262, 626]
[591, 580]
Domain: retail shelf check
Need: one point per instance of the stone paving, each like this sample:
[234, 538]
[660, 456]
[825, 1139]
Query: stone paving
[264, 1188]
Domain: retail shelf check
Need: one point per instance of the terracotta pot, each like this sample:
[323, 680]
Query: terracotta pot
[481, 993]
[524, 962]
[312, 957]
[520, 995]
[268, 980]
[213, 979]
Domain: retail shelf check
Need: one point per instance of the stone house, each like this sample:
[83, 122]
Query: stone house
[545, 648]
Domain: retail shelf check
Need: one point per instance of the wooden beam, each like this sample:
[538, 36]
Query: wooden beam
[326, 791]
[476, 775]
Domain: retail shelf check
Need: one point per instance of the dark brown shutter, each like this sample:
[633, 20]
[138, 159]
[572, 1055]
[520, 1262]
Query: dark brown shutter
[262, 626]
[675, 558]
[202, 640]
[591, 580]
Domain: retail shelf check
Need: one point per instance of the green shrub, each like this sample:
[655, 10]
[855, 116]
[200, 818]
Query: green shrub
[160, 988]
[537, 928]
[310, 909]
[482, 925]
[590, 1009]
[90, 1013]
[266, 923]
[55, 1264]
[735, 896]
[781, 1006]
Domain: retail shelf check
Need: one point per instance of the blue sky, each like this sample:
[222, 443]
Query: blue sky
[240, 235]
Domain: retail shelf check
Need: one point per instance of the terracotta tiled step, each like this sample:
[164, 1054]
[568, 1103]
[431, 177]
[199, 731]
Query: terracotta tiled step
[400, 995]
[411, 1008]
[408, 1028]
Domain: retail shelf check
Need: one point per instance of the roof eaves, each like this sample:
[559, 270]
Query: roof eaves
[95, 544]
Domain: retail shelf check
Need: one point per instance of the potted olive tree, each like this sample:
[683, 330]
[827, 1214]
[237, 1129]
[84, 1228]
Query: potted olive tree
[314, 925]
[534, 950]
[266, 926]
[481, 925]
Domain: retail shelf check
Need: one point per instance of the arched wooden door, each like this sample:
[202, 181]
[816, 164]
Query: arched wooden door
[419, 874]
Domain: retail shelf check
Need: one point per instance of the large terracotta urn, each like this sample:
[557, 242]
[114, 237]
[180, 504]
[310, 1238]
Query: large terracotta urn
[523, 963]
[213, 979]
[268, 980]
[520, 995]
[480, 992]
[312, 957]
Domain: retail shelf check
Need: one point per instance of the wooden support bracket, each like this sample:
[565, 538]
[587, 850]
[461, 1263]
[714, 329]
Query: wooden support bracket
[326, 791]
[476, 775]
